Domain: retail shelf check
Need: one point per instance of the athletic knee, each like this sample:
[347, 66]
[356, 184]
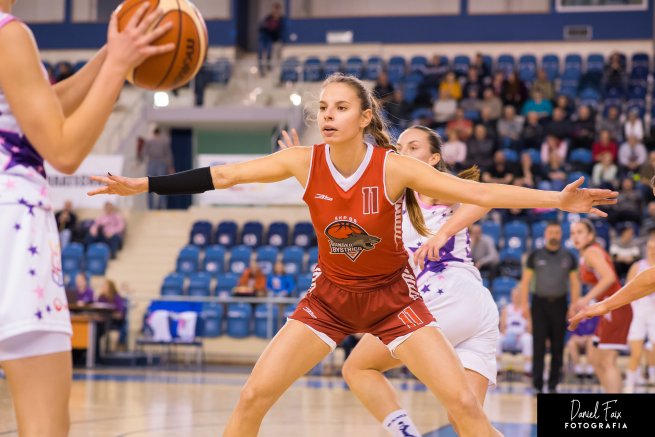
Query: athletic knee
[349, 372]
[254, 397]
[465, 404]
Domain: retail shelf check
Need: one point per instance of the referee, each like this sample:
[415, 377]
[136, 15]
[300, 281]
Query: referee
[549, 273]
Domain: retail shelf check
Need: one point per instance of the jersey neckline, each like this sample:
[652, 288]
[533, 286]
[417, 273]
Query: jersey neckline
[346, 183]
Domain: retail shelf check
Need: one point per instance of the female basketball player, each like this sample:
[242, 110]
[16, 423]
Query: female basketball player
[362, 283]
[597, 270]
[59, 124]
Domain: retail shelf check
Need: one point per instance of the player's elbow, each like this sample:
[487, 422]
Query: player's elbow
[65, 165]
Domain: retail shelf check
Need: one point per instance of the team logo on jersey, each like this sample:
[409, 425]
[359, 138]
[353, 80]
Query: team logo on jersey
[349, 239]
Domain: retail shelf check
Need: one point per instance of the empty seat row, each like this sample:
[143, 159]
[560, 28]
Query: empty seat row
[252, 234]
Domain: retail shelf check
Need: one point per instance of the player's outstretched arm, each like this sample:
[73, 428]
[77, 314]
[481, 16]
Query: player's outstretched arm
[293, 162]
[404, 171]
[66, 141]
[642, 285]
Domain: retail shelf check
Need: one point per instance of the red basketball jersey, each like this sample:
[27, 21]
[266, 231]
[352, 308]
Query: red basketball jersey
[359, 230]
[588, 276]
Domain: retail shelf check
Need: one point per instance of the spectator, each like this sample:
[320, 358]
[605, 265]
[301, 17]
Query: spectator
[65, 71]
[252, 282]
[280, 284]
[483, 252]
[499, 172]
[614, 76]
[559, 125]
[516, 331]
[108, 228]
[612, 123]
[549, 274]
[513, 92]
[584, 129]
[109, 294]
[473, 84]
[471, 103]
[492, 102]
[453, 151]
[497, 83]
[480, 148]
[158, 155]
[629, 205]
[565, 105]
[605, 144]
[633, 125]
[632, 155]
[444, 109]
[605, 172]
[270, 33]
[66, 223]
[480, 67]
[555, 171]
[554, 144]
[510, 126]
[451, 85]
[648, 225]
[646, 173]
[383, 89]
[399, 112]
[625, 251]
[543, 85]
[82, 290]
[533, 132]
[460, 126]
[580, 343]
[489, 123]
[433, 72]
[528, 172]
[537, 104]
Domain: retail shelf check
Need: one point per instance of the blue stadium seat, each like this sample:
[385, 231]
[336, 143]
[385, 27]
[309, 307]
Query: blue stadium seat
[501, 289]
[199, 284]
[573, 61]
[510, 262]
[252, 234]
[538, 229]
[173, 285]
[638, 105]
[266, 316]
[225, 283]
[516, 234]
[239, 316]
[312, 69]
[373, 67]
[303, 234]
[97, 258]
[461, 64]
[331, 65]
[589, 97]
[304, 282]
[550, 64]
[410, 87]
[581, 156]
[201, 233]
[355, 67]
[266, 257]
[292, 258]
[211, 320]
[535, 155]
[288, 310]
[69, 278]
[72, 257]
[278, 234]
[188, 260]
[396, 69]
[240, 258]
[577, 174]
[417, 63]
[492, 229]
[602, 233]
[505, 63]
[226, 233]
[214, 261]
[511, 155]
[527, 68]
[595, 62]
[312, 259]
[640, 60]
[289, 71]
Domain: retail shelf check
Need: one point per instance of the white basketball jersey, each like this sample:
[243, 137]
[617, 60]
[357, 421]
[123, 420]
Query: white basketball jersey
[22, 176]
[646, 303]
[515, 323]
[455, 255]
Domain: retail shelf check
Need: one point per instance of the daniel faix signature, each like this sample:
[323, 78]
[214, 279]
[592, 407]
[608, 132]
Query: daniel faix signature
[605, 415]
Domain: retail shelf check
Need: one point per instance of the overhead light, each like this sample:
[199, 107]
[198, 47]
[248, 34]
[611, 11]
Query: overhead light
[295, 99]
[161, 99]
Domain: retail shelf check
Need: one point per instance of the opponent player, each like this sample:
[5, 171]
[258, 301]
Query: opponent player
[60, 123]
[597, 270]
[363, 282]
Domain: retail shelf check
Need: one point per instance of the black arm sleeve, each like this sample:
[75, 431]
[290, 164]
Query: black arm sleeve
[193, 181]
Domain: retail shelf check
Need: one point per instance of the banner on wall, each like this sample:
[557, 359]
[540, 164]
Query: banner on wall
[287, 192]
[74, 187]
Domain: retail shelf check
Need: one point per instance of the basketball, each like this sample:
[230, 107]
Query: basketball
[189, 34]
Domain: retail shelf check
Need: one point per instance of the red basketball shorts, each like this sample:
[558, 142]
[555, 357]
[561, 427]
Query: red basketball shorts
[390, 312]
[612, 330]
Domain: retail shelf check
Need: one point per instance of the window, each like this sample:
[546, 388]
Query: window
[600, 5]
[483, 7]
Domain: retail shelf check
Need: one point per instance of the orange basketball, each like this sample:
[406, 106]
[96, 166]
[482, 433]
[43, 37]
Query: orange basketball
[189, 34]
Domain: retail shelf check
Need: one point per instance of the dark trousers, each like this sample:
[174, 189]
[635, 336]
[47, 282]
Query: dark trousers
[548, 322]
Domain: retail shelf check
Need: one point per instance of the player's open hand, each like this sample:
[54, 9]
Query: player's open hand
[597, 309]
[430, 250]
[584, 200]
[289, 141]
[119, 185]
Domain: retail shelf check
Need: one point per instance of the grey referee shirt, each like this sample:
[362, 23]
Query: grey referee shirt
[551, 271]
